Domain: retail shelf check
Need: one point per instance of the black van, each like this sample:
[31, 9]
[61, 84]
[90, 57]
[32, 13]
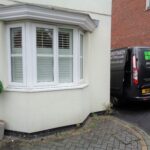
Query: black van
[130, 74]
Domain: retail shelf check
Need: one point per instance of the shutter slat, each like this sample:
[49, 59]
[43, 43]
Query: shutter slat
[64, 40]
[16, 40]
[44, 38]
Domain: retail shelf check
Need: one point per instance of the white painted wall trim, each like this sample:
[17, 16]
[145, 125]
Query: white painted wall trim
[26, 11]
[48, 89]
[147, 4]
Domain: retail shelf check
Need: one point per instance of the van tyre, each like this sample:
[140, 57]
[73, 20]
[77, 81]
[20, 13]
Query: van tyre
[115, 101]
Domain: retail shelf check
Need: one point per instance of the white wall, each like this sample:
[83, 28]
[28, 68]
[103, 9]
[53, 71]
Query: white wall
[3, 56]
[31, 112]
[97, 6]
[7, 2]
[100, 63]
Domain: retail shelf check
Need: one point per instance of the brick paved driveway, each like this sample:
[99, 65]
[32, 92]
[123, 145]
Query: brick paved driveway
[99, 133]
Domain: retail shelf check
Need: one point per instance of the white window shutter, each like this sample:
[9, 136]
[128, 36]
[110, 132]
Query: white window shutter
[45, 69]
[65, 41]
[65, 69]
[16, 55]
[45, 58]
[81, 56]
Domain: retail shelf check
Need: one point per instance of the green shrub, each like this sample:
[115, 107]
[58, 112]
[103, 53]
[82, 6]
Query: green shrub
[1, 87]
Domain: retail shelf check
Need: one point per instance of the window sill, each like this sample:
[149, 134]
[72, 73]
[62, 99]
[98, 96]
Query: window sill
[46, 89]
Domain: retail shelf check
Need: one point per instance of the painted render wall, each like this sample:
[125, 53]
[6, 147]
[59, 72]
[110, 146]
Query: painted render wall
[96, 6]
[31, 112]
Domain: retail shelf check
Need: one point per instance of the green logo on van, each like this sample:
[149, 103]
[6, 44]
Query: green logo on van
[147, 55]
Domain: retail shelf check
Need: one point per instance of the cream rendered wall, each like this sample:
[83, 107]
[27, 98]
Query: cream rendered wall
[31, 112]
[7, 2]
[2, 63]
[97, 6]
[100, 63]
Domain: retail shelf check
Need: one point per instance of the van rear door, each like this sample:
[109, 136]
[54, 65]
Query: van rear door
[143, 60]
[118, 60]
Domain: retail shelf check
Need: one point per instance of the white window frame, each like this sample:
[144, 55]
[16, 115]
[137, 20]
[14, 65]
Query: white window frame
[34, 26]
[71, 56]
[29, 56]
[81, 33]
[8, 43]
[147, 4]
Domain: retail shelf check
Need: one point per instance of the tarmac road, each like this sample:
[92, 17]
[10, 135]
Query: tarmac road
[136, 113]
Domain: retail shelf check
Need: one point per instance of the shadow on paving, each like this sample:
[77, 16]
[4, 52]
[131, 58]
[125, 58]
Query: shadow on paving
[137, 113]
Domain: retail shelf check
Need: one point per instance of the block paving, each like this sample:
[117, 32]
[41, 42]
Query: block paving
[98, 133]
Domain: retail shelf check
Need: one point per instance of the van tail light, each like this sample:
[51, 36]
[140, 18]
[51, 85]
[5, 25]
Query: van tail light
[135, 70]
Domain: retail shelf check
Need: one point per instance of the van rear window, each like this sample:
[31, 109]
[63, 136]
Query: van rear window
[118, 58]
[147, 55]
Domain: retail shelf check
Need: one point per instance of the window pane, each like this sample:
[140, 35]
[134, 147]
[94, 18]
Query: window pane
[44, 41]
[81, 68]
[65, 70]
[16, 69]
[81, 56]
[65, 41]
[16, 55]
[81, 45]
[65, 55]
[45, 69]
[16, 40]
[44, 50]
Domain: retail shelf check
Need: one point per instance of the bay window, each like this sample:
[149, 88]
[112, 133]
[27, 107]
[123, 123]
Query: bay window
[44, 56]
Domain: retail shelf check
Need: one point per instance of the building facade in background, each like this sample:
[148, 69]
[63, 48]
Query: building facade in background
[52, 56]
[130, 23]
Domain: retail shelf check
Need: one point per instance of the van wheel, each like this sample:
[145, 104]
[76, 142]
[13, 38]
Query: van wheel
[115, 101]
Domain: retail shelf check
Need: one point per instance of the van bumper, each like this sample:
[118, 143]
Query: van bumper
[143, 98]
